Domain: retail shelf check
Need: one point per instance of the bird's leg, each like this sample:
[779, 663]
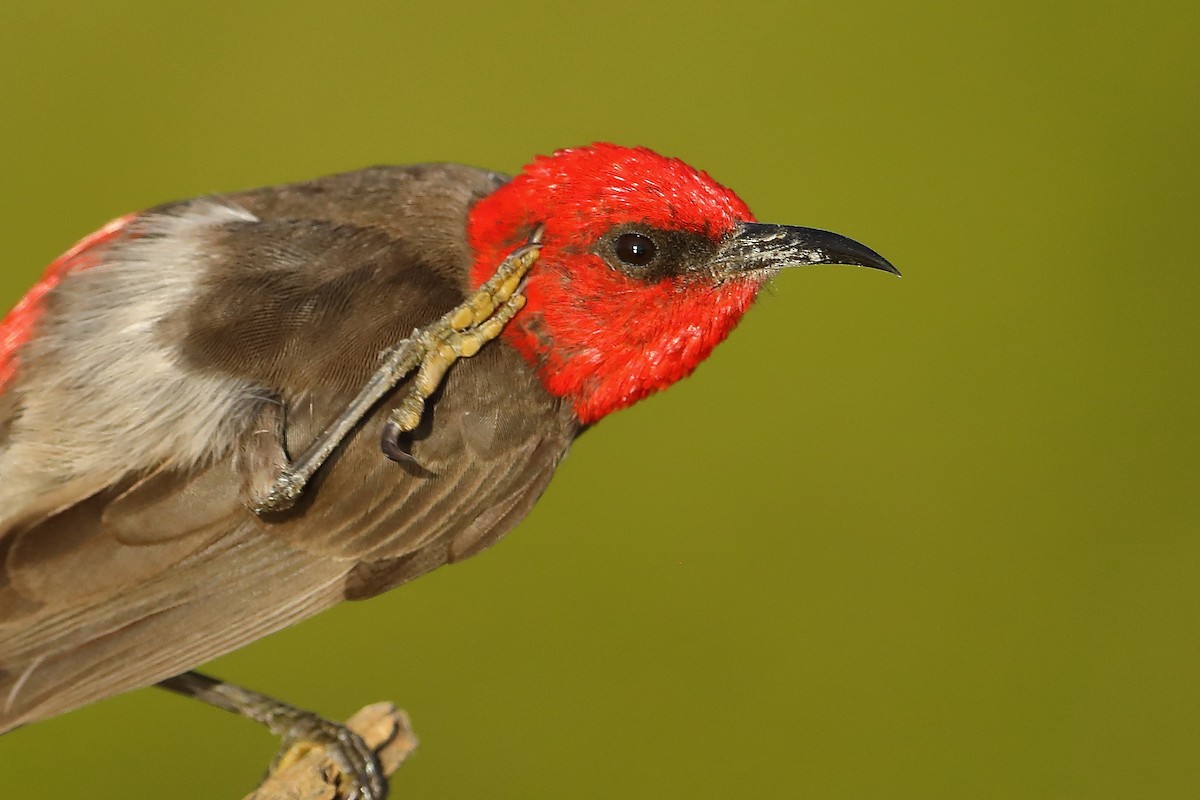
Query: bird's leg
[361, 775]
[459, 333]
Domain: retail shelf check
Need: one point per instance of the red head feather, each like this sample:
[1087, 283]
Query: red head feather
[600, 338]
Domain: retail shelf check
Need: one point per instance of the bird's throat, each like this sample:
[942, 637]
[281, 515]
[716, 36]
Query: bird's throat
[603, 347]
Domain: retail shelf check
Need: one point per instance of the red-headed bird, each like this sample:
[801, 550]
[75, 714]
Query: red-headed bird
[154, 383]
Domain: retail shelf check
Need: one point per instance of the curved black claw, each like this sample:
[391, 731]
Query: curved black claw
[389, 443]
[360, 774]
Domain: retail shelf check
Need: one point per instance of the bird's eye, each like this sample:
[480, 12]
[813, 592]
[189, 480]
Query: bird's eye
[635, 249]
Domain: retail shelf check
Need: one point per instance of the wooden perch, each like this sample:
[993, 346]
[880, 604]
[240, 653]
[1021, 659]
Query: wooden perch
[313, 777]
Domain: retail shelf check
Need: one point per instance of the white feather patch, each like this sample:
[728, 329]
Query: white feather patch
[101, 394]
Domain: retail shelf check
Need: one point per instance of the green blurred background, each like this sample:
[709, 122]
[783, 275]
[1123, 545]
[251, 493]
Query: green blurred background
[934, 537]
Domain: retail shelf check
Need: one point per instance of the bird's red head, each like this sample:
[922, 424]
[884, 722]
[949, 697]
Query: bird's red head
[603, 330]
[646, 265]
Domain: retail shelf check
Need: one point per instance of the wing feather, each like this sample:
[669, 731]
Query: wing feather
[121, 574]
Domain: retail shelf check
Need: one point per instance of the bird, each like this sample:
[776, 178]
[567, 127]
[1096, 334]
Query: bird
[163, 380]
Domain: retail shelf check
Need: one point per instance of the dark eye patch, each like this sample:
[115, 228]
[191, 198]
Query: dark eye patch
[653, 254]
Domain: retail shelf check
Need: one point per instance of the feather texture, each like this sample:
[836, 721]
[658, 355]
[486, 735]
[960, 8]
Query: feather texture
[130, 431]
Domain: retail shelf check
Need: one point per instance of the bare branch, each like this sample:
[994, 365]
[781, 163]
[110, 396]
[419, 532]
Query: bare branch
[312, 776]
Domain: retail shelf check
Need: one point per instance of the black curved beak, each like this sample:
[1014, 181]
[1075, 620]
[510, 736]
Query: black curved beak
[755, 246]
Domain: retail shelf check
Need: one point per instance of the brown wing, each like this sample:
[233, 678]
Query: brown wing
[151, 575]
[95, 616]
